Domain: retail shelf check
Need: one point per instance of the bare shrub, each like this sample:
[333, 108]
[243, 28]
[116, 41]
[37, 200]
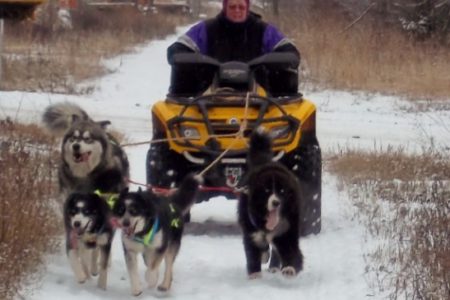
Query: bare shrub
[43, 57]
[371, 55]
[30, 226]
[403, 200]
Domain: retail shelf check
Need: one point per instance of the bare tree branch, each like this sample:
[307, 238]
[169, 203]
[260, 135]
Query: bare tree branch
[359, 18]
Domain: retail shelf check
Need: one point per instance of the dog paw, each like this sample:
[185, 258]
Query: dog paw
[163, 288]
[101, 286]
[152, 278]
[94, 269]
[273, 270]
[101, 283]
[255, 275]
[289, 272]
[82, 278]
[136, 289]
[265, 257]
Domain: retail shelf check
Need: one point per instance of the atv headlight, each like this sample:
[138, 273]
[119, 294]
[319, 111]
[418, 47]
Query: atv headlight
[190, 133]
[279, 132]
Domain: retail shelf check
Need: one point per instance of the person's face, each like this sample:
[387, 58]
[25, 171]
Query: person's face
[236, 10]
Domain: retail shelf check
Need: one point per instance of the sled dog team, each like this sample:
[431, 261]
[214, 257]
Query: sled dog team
[93, 170]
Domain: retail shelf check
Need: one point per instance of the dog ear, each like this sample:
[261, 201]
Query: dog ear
[75, 118]
[104, 124]
[123, 192]
[69, 200]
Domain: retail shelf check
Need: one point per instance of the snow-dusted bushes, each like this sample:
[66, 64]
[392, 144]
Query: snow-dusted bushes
[30, 225]
[346, 49]
[49, 54]
[403, 200]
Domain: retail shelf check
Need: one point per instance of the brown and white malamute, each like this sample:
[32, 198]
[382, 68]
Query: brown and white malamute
[91, 158]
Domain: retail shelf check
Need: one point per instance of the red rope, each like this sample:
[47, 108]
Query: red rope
[168, 191]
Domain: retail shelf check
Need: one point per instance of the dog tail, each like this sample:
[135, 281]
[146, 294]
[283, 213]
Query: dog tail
[184, 197]
[260, 151]
[57, 118]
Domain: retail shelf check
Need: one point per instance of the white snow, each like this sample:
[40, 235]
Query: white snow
[214, 267]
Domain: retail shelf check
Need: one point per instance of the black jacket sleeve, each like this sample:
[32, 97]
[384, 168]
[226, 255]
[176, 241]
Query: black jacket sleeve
[290, 48]
[175, 48]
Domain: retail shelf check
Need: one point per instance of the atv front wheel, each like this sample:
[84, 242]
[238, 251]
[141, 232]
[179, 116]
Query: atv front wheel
[161, 170]
[306, 163]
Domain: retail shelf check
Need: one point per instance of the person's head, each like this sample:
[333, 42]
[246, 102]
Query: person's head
[236, 10]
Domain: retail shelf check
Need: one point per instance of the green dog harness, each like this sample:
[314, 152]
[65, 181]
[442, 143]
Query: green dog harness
[110, 198]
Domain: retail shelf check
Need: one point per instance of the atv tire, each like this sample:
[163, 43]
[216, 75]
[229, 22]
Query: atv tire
[306, 163]
[162, 171]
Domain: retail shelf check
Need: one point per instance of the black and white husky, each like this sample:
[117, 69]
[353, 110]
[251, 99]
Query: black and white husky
[91, 158]
[269, 212]
[153, 225]
[89, 235]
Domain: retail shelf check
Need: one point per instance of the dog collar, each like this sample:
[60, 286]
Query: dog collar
[148, 238]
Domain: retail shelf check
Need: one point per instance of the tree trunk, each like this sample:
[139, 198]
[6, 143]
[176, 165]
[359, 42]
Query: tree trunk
[276, 7]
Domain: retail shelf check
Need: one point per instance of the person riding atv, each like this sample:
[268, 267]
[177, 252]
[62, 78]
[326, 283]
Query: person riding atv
[221, 90]
[235, 34]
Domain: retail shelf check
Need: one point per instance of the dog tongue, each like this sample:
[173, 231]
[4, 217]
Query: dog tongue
[82, 157]
[128, 231]
[272, 219]
[85, 156]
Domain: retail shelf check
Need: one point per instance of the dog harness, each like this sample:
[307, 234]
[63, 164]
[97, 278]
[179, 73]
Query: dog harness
[175, 223]
[110, 198]
[147, 239]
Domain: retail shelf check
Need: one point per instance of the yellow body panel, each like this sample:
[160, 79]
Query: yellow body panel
[164, 111]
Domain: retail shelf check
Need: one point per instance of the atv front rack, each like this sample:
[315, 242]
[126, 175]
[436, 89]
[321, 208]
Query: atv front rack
[217, 130]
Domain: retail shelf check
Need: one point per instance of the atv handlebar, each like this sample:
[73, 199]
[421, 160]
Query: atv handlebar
[278, 59]
[193, 58]
[275, 59]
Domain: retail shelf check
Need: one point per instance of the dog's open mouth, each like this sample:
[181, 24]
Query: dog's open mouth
[129, 230]
[81, 157]
[272, 219]
[79, 231]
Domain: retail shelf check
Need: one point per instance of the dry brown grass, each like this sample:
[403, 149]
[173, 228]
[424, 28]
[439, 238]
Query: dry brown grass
[30, 226]
[44, 59]
[368, 56]
[404, 201]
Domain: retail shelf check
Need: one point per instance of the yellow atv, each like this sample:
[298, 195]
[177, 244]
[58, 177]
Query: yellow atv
[191, 133]
[18, 9]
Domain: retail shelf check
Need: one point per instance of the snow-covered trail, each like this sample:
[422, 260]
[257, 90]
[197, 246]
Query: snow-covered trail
[214, 267]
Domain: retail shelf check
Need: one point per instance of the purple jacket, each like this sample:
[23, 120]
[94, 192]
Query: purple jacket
[224, 40]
